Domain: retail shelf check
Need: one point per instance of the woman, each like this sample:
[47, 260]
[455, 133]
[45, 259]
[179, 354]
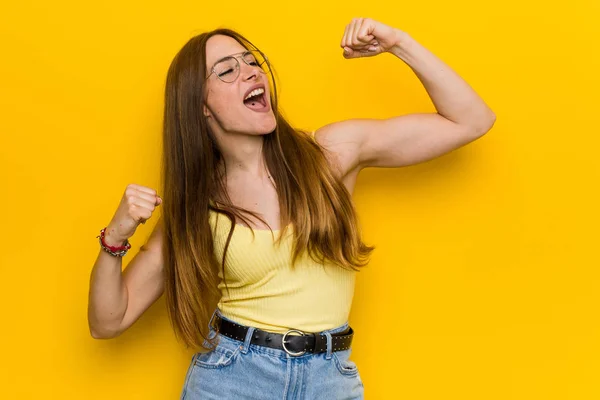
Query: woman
[266, 299]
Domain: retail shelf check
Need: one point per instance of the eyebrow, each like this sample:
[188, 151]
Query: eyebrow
[226, 57]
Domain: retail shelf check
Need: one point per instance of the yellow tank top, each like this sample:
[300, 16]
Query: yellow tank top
[265, 291]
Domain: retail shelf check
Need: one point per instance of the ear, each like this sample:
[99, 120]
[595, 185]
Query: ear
[206, 111]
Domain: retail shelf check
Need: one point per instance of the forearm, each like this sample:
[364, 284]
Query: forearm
[451, 95]
[107, 301]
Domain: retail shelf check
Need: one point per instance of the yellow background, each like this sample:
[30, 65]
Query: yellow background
[485, 281]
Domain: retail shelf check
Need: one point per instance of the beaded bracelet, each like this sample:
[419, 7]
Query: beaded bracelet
[117, 251]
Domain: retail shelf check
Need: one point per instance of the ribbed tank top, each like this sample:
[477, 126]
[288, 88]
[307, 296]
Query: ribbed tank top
[266, 292]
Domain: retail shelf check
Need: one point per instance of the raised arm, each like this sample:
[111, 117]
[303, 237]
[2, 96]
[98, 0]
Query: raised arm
[117, 299]
[462, 116]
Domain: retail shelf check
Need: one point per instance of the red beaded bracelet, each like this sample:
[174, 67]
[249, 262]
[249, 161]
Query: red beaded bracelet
[117, 251]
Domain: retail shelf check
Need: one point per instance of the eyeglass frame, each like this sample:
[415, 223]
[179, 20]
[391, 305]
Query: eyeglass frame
[235, 56]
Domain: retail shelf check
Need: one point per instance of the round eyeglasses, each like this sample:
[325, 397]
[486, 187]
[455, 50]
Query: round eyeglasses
[227, 69]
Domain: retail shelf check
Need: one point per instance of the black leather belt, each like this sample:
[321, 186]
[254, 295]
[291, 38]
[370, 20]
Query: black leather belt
[294, 345]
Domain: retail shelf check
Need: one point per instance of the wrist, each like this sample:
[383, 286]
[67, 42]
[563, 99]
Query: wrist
[116, 249]
[111, 237]
[401, 41]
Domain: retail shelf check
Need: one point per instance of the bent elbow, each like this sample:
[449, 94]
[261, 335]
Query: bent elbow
[487, 125]
[104, 333]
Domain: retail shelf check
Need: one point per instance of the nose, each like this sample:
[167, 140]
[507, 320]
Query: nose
[248, 72]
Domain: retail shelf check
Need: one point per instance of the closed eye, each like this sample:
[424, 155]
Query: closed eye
[226, 72]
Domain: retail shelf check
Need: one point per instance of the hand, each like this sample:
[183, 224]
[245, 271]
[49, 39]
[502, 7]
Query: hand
[136, 206]
[365, 37]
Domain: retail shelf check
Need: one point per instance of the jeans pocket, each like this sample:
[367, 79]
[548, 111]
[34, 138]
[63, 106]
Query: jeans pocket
[188, 375]
[218, 357]
[343, 362]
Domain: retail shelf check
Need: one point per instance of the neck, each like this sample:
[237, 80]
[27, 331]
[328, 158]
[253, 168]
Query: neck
[243, 155]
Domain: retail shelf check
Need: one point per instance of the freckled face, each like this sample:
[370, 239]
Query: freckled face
[225, 107]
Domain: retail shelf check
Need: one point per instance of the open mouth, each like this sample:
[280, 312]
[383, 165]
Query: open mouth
[256, 100]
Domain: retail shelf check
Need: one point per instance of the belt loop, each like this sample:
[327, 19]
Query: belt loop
[329, 345]
[247, 340]
[212, 332]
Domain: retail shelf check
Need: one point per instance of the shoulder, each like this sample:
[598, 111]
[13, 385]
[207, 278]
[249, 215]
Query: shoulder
[341, 144]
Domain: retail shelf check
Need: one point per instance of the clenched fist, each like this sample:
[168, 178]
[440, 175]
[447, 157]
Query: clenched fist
[136, 206]
[365, 37]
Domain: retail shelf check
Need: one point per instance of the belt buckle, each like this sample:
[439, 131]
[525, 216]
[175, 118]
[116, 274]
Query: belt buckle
[292, 353]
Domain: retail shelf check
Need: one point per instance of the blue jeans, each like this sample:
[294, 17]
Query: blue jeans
[238, 370]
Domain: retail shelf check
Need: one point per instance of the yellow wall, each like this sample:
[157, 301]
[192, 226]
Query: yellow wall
[485, 282]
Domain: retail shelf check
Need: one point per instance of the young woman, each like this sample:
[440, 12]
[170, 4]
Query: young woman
[258, 243]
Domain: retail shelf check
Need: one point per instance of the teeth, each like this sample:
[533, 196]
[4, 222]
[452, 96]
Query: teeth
[255, 92]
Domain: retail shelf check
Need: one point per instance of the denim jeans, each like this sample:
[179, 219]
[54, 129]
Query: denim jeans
[237, 370]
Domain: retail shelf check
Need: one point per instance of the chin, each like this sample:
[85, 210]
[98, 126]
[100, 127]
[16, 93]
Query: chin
[264, 132]
[267, 128]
